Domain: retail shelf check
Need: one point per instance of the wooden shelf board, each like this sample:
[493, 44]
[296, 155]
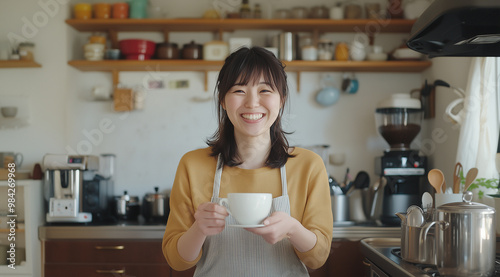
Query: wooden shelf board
[18, 63]
[8, 230]
[371, 26]
[201, 65]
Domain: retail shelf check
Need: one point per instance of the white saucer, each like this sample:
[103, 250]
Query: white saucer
[247, 226]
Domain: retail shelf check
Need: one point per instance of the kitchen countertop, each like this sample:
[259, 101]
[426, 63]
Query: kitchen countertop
[145, 231]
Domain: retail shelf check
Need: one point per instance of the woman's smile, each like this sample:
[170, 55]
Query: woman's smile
[252, 116]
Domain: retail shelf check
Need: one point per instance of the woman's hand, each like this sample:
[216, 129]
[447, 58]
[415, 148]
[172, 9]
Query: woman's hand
[210, 218]
[280, 225]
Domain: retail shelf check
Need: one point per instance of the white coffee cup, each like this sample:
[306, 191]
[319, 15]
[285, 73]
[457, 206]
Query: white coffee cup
[248, 208]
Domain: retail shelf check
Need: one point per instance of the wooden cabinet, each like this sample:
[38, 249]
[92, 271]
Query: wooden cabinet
[87, 258]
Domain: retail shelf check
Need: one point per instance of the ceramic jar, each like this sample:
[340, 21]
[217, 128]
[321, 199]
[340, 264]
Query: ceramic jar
[82, 11]
[102, 11]
[215, 50]
[192, 51]
[167, 51]
[120, 10]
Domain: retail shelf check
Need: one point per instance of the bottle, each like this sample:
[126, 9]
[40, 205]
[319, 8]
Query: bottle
[257, 11]
[245, 11]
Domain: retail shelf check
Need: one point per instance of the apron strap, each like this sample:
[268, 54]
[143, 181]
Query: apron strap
[218, 177]
[284, 189]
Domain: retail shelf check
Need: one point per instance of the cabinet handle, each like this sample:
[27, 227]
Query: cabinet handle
[116, 247]
[110, 271]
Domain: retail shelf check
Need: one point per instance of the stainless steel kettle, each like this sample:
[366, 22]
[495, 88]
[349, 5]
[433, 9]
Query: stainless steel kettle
[155, 207]
[465, 238]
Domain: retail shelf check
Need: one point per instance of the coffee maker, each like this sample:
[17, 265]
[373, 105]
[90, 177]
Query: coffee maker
[399, 121]
[74, 190]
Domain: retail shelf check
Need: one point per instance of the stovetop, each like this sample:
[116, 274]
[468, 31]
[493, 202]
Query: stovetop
[386, 254]
[431, 270]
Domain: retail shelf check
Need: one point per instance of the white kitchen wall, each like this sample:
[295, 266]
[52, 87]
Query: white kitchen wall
[149, 143]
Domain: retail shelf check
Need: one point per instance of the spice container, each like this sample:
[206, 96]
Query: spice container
[120, 10]
[82, 11]
[26, 50]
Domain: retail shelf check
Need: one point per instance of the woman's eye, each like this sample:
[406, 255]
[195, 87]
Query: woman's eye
[265, 91]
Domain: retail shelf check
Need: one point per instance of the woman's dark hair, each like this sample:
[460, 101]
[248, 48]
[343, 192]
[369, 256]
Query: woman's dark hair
[244, 66]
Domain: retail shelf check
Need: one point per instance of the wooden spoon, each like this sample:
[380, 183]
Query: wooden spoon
[456, 177]
[436, 178]
[470, 177]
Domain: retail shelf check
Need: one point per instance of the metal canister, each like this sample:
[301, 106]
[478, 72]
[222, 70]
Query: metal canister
[288, 46]
[465, 238]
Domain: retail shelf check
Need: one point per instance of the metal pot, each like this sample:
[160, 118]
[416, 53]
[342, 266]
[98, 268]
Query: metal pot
[465, 238]
[127, 207]
[155, 207]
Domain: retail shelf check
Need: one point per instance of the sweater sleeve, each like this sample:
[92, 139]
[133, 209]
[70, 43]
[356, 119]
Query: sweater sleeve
[317, 216]
[180, 219]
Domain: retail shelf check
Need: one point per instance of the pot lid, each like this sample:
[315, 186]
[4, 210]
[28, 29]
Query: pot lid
[155, 195]
[467, 206]
[400, 100]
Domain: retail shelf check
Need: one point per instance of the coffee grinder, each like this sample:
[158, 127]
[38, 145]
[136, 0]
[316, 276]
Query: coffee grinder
[398, 121]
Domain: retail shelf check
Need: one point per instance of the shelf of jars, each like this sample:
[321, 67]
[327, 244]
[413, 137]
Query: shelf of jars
[371, 27]
[231, 24]
[18, 64]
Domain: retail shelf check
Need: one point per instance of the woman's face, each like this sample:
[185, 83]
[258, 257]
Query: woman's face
[252, 108]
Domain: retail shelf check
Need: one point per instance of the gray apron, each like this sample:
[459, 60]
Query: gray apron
[237, 252]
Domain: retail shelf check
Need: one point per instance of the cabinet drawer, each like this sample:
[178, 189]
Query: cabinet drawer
[107, 270]
[104, 251]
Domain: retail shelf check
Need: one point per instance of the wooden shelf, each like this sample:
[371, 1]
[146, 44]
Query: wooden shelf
[18, 64]
[8, 230]
[218, 25]
[201, 65]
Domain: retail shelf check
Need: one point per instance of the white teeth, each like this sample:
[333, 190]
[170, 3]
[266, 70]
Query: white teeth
[253, 116]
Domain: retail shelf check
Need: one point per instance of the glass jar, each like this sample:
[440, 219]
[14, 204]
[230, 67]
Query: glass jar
[325, 50]
[26, 50]
[309, 52]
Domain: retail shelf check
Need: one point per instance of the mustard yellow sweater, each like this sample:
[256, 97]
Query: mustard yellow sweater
[308, 190]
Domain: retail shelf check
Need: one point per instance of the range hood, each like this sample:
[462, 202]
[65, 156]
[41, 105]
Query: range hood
[458, 28]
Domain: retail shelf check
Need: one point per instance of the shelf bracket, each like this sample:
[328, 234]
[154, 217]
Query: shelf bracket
[113, 36]
[205, 75]
[166, 35]
[116, 78]
[298, 81]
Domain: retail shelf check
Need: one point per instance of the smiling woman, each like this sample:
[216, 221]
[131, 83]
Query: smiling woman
[249, 153]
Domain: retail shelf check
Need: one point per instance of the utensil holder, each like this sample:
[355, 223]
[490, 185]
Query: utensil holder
[416, 249]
